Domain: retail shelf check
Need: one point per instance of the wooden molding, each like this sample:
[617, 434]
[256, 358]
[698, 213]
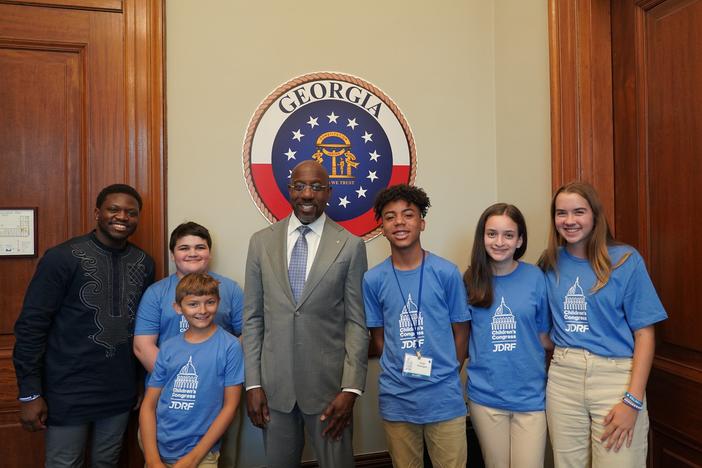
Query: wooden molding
[146, 121]
[581, 95]
[94, 5]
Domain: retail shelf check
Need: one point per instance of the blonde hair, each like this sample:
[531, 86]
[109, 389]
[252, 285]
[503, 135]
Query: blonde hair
[598, 240]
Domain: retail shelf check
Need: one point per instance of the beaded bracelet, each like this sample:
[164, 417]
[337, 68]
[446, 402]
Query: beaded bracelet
[633, 398]
[627, 401]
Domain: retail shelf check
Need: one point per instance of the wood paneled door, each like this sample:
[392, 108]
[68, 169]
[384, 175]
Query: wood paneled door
[81, 107]
[627, 116]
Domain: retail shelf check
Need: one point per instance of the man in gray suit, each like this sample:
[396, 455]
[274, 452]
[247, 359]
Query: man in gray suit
[304, 334]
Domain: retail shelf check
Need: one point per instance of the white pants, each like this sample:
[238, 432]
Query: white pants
[509, 438]
[582, 389]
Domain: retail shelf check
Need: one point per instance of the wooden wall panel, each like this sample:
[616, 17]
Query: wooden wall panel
[82, 99]
[581, 95]
[655, 124]
[672, 158]
[96, 5]
[36, 86]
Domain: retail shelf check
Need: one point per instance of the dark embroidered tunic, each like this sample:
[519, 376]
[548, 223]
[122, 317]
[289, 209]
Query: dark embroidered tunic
[74, 334]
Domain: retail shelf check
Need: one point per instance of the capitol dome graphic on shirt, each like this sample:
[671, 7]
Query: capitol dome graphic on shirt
[411, 315]
[185, 386]
[575, 308]
[504, 328]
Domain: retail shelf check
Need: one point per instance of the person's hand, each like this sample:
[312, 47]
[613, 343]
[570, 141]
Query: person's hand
[257, 407]
[188, 461]
[338, 414]
[156, 464]
[619, 426]
[33, 415]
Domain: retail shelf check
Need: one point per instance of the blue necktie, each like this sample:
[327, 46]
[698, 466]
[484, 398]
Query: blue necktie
[298, 263]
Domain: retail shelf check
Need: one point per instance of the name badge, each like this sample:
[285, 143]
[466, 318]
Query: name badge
[416, 366]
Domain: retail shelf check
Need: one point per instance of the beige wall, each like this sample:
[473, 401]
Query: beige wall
[523, 140]
[471, 77]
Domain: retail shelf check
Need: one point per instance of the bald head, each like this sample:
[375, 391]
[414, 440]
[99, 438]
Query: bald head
[309, 191]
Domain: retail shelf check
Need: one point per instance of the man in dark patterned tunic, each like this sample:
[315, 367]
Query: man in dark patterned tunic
[73, 354]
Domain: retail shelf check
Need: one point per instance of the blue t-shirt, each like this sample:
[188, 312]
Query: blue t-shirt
[192, 377]
[602, 323]
[413, 399]
[156, 315]
[506, 367]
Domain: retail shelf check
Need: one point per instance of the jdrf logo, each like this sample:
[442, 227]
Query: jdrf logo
[181, 405]
[578, 328]
[411, 344]
[499, 347]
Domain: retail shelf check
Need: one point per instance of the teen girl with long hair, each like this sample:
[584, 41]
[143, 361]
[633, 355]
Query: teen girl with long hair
[506, 368]
[603, 307]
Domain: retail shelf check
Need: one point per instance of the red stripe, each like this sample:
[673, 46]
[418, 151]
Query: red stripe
[267, 188]
[279, 206]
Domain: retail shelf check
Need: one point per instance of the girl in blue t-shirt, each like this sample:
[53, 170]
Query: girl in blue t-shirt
[506, 368]
[603, 307]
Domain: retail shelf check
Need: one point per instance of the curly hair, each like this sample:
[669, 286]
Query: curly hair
[409, 193]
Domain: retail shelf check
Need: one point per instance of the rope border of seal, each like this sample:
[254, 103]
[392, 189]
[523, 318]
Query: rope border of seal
[317, 76]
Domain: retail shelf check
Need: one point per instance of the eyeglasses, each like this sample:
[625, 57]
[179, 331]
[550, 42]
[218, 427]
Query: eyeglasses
[300, 187]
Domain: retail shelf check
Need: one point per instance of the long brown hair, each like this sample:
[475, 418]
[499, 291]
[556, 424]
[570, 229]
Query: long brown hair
[478, 276]
[598, 241]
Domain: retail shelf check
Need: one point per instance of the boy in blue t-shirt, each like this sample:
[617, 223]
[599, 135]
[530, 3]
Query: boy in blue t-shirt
[417, 313]
[195, 386]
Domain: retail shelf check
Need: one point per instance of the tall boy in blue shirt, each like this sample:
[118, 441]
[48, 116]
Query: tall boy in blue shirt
[417, 313]
[195, 387]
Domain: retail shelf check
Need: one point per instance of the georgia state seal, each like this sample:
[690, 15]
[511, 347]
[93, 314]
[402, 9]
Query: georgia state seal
[345, 124]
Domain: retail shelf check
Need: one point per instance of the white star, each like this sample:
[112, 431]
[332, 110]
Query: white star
[290, 154]
[289, 173]
[361, 192]
[297, 135]
[343, 202]
[312, 122]
[371, 175]
[352, 123]
[332, 117]
[374, 156]
[367, 137]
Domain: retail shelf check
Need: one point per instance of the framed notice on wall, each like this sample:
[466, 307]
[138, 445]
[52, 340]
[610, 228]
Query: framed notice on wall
[18, 232]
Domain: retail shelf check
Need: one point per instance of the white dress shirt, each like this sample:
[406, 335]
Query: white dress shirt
[313, 237]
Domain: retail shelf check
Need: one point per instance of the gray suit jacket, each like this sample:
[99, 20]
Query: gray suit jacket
[305, 352]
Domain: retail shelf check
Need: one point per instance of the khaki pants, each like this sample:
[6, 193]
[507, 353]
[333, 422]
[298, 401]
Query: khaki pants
[210, 460]
[509, 438]
[582, 388]
[446, 443]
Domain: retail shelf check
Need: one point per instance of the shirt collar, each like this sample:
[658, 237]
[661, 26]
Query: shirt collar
[317, 226]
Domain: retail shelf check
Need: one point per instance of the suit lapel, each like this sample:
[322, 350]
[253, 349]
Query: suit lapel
[330, 245]
[277, 252]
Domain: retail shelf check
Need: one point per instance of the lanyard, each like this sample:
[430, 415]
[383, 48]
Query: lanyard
[419, 300]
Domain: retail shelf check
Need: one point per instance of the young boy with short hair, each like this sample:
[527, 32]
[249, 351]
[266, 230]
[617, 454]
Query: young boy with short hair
[416, 309]
[195, 386]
